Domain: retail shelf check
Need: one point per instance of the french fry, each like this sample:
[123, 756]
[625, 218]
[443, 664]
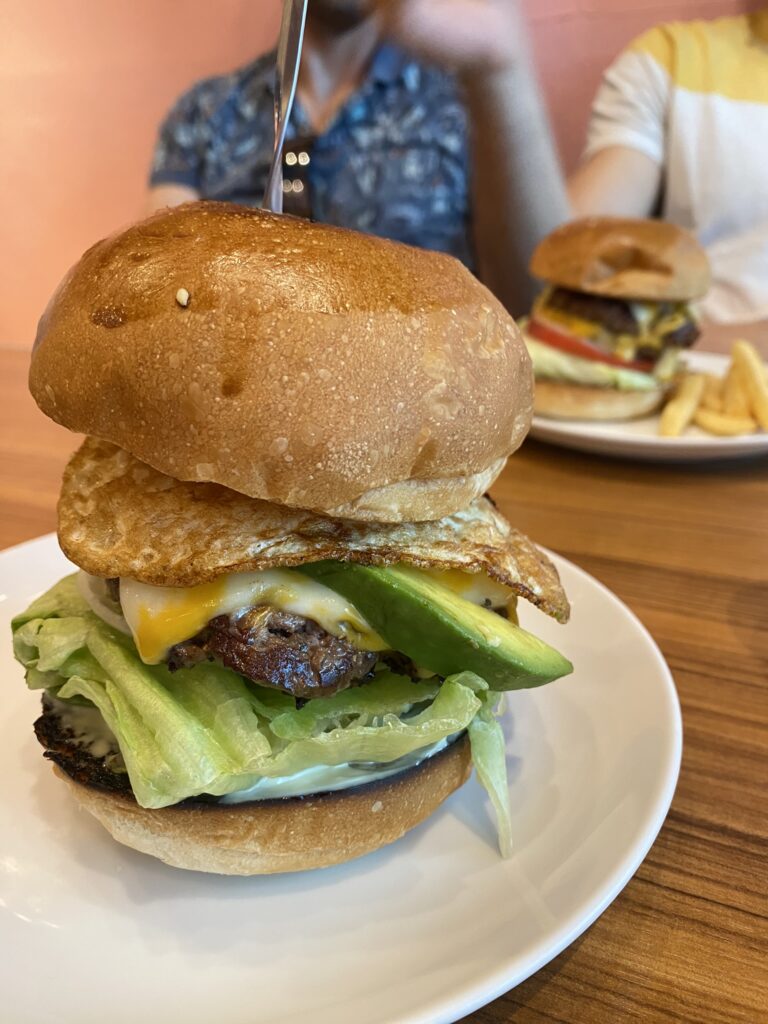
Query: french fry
[746, 357]
[723, 425]
[736, 401]
[712, 398]
[680, 411]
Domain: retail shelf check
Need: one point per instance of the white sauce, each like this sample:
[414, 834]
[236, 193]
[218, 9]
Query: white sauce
[88, 727]
[329, 778]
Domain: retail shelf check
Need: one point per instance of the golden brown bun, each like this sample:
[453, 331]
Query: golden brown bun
[119, 517]
[624, 258]
[292, 834]
[311, 366]
[562, 401]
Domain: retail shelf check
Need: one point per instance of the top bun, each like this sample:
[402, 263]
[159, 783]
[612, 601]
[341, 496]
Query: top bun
[303, 364]
[624, 258]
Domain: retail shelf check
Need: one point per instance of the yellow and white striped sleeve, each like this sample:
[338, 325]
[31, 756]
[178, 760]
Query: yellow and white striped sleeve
[631, 105]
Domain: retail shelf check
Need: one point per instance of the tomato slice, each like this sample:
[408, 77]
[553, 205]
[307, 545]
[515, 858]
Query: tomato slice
[580, 347]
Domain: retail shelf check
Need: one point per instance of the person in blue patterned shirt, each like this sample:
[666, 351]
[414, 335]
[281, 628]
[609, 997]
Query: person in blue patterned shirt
[448, 151]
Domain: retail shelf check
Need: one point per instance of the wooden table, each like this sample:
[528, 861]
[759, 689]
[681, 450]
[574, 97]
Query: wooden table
[687, 549]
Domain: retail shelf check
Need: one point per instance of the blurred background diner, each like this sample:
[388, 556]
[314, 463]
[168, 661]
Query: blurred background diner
[470, 126]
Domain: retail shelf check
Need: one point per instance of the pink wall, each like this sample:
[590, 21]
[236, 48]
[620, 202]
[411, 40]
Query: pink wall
[574, 40]
[83, 84]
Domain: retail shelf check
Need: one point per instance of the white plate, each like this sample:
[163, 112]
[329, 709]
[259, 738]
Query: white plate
[639, 439]
[426, 930]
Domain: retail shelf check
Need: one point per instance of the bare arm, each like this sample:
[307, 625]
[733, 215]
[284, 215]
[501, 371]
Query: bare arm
[161, 196]
[518, 192]
[617, 180]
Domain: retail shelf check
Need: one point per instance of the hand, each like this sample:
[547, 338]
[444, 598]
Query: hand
[465, 35]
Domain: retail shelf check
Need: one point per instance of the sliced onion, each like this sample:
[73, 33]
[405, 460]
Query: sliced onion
[94, 590]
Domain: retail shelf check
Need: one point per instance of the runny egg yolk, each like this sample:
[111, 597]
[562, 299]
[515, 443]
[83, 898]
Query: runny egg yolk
[476, 587]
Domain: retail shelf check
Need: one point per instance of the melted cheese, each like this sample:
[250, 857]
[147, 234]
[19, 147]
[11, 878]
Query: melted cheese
[654, 321]
[559, 318]
[159, 617]
[643, 313]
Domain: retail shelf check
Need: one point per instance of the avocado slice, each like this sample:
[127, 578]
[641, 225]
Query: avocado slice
[438, 629]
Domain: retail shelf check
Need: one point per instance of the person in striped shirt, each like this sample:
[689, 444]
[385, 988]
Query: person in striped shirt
[679, 129]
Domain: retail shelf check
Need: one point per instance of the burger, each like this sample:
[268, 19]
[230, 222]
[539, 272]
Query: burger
[606, 334]
[293, 615]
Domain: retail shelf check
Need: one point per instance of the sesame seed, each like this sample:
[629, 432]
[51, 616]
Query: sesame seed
[182, 297]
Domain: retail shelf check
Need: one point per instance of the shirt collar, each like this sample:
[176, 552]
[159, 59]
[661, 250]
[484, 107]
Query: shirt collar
[389, 65]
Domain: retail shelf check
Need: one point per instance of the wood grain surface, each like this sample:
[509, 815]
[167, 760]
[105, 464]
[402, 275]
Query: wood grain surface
[687, 549]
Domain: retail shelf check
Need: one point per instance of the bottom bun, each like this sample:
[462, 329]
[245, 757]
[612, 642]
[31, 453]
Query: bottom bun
[563, 401]
[289, 834]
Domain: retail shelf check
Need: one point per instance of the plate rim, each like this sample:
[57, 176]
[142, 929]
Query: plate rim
[507, 976]
[631, 861]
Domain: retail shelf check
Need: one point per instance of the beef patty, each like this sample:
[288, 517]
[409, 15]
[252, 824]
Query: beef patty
[74, 758]
[616, 316]
[278, 649]
[613, 314]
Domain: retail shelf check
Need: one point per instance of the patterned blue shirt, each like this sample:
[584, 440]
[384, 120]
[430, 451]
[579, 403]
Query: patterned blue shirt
[394, 162]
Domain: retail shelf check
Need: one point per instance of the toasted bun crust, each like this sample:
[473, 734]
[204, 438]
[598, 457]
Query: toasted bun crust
[624, 258]
[292, 834]
[563, 401]
[311, 366]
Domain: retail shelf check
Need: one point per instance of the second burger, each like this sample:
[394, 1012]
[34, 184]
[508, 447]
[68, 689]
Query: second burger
[606, 334]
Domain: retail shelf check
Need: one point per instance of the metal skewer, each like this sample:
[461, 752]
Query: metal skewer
[286, 77]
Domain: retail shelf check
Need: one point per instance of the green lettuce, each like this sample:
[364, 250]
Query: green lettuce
[486, 738]
[553, 364]
[208, 730]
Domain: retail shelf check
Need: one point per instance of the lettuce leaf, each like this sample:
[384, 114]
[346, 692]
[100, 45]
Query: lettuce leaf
[208, 730]
[553, 364]
[370, 705]
[489, 757]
